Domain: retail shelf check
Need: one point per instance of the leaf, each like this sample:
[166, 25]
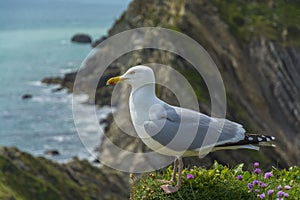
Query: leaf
[246, 175]
[238, 169]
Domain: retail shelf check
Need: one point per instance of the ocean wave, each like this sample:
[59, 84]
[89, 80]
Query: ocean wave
[61, 138]
[35, 83]
[65, 71]
[47, 99]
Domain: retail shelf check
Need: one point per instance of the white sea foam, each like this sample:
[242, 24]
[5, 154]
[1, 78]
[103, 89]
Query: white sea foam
[35, 83]
[87, 123]
[64, 71]
[59, 138]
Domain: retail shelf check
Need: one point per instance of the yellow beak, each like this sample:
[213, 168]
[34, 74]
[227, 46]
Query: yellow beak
[114, 80]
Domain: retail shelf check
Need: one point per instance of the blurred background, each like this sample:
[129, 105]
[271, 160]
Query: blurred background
[255, 45]
[35, 38]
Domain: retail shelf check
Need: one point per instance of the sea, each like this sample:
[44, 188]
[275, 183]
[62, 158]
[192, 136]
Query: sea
[35, 43]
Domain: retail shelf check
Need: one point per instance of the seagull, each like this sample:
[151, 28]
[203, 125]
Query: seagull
[176, 131]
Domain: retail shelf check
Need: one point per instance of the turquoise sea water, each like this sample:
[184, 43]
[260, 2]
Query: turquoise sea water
[35, 43]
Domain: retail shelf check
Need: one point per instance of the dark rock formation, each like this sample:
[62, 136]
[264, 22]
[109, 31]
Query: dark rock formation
[259, 75]
[81, 38]
[52, 152]
[95, 43]
[26, 96]
[66, 82]
[26, 177]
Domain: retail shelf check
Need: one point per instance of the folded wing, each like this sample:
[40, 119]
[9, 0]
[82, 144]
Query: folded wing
[182, 129]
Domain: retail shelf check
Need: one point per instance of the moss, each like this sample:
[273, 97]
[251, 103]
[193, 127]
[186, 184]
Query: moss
[172, 27]
[270, 19]
[7, 193]
[24, 177]
[197, 84]
[219, 182]
[23, 184]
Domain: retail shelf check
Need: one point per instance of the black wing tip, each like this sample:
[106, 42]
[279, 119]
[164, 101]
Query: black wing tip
[253, 139]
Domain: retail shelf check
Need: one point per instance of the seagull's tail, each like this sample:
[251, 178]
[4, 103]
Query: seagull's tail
[250, 141]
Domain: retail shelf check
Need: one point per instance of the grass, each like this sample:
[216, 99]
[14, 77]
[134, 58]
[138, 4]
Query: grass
[221, 182]
[24, 177]
[276, 20]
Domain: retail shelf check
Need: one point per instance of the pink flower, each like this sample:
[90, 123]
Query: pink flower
[287, 187]
[189, 176]
[256, 164]
[268, 175]
[280, 193]
[249, 185]
[263, 185]
[270, 192]
[262, 196]
[255, 182]
[257, 171]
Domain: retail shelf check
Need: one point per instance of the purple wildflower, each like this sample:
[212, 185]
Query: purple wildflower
[239, 177]
[257, 171]
[279, 198]
[255, 182]
[257, 190]
[280, 193]
[189, 176]
[279, 187]
[270, 192]
[249, 186]
[263, 185]
[256, 164]
[286, 195]
[268, 175]
[287, 187]
[262, 196]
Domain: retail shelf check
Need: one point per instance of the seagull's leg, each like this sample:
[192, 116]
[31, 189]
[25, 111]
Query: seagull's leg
[171, 189]
[173, 179]
[179, 173]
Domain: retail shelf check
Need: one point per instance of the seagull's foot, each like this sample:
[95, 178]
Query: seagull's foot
[169, 189]
[165, 181]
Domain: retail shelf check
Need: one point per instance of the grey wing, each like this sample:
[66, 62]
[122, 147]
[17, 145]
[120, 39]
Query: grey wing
[182, 129]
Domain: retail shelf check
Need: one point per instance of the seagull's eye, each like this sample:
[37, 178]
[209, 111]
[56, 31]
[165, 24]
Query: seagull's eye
[132, 72]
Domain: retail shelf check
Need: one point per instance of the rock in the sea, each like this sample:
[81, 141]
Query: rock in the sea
[57, 89]
[65, 82]
[81, 38]
[96, 161]
[95, 43]
[52, 152]
[52, 80]
[26, 96]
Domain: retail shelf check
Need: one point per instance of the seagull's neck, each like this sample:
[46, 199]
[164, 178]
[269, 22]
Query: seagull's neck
[144, 96]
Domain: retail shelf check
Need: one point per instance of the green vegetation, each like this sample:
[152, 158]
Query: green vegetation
[24, 177]
[275, 20]
[221, 182]
[16, 182]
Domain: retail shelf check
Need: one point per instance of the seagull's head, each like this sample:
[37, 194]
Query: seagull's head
[136, 76]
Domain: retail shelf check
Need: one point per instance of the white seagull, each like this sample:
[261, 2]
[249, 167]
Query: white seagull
[176, 131]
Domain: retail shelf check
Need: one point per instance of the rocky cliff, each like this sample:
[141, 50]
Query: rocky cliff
[255, 46]
[260, 74]
[25, 177]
